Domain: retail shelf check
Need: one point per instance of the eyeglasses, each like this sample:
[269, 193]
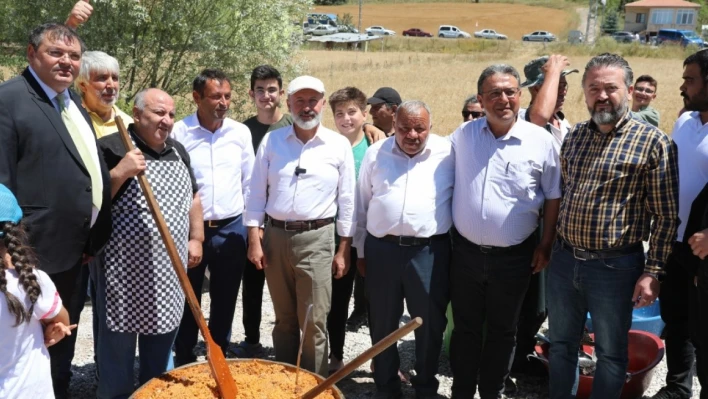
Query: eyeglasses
[496, 94]
[475, 114]
[644, 90]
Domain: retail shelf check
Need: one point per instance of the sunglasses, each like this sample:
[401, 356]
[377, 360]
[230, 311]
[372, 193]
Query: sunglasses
[475, 114]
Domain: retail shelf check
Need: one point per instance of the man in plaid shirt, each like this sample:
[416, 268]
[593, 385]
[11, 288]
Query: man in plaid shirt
[620, 187]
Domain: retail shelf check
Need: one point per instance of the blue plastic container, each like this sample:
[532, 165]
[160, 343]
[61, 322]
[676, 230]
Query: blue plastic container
[646, 319]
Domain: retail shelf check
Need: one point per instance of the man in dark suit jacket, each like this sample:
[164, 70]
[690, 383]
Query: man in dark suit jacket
[49, 159]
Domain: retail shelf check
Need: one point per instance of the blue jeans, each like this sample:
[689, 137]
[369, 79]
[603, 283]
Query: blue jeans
[604, 287]
[116, 352]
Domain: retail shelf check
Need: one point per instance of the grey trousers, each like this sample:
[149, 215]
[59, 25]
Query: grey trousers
[299, 273]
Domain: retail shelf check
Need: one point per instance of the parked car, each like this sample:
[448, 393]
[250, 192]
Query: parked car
[539, 36]
[416, 32]
[624, 37]
[379, 31]
[452, 31]
[675, 36]
[575, 37]
[490, 34]
[323, 30]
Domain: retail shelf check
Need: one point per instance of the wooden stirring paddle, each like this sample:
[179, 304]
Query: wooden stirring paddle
[363, 358]
[217, 362]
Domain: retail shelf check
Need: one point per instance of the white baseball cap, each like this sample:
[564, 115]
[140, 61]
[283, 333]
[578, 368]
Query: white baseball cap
[306, 82]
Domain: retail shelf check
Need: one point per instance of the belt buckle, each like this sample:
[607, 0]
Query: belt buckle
[575, 253]
[404, 241]
[285, 226]
[485, 249]
[212, 224]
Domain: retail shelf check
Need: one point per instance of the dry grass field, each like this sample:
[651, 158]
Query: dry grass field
[470, 17]
[445, 80]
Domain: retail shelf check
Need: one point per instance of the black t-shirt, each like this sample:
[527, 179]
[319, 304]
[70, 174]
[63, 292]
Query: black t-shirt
[113, 151]
[259, 130]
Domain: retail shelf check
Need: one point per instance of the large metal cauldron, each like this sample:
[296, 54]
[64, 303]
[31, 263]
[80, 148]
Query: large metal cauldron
[337, 393]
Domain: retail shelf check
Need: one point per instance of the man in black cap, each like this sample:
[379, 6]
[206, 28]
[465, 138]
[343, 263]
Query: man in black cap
[384, 104]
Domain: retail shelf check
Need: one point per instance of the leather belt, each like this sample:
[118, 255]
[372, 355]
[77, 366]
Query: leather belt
[409, 241]
[301, 225]
[592, 254]
[488, 249]
[217, 224]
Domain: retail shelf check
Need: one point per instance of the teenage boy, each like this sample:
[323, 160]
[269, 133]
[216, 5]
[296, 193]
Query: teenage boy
[349, 109]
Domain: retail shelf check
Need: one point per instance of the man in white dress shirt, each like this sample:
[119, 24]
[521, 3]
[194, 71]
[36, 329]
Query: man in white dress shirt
[222, 160]
[506, 172]
[404, 214]
[302, 179]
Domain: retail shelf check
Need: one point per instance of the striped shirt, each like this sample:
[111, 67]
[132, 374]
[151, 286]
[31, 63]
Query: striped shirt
[614, 184]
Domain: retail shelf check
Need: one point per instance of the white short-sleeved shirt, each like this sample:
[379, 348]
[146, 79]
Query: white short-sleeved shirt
[24, 360]
[502, 183]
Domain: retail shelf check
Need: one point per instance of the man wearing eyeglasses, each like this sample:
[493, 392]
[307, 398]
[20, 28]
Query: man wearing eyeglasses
[472, 109]
[506, 171]
[644, 93]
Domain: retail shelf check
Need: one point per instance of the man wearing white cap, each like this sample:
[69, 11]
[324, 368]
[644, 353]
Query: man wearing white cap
[302, 179]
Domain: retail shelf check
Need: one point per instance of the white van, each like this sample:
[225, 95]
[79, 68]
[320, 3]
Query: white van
[452, 31]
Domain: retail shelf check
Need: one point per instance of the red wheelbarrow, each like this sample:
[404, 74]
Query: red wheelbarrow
[645, 351]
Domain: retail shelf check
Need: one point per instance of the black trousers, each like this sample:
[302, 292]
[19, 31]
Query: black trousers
[337, 318]
[485, 287]
[72, 286]
[225, 254]
[420, 275]
[253, 283]
[679, 300]
[361, 304]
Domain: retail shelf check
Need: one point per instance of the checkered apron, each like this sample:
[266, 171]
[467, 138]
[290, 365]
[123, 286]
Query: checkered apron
[143, 294]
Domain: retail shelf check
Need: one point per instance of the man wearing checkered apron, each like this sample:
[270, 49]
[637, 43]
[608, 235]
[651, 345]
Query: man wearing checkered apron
[138, 294]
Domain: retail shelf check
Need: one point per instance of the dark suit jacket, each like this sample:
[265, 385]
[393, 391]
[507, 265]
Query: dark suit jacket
[40, 164]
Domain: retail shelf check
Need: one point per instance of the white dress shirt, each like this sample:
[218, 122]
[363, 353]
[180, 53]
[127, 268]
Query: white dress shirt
[691, 138]
[222, 163]
[78, 118]
[501, 184]
[324, 189]
[405, 196]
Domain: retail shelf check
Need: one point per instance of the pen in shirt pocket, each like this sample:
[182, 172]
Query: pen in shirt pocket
[507, 168]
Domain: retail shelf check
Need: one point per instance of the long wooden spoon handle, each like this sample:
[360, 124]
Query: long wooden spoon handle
[363, 358]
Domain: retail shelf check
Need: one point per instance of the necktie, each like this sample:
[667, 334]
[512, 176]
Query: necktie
[84, 152]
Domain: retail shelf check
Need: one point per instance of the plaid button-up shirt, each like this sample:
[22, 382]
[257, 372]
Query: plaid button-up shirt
[614, 184]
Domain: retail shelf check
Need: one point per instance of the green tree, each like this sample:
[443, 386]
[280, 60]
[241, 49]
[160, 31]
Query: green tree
[165, 43]
[609, 25]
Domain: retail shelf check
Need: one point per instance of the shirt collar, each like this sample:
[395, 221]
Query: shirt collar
[618, 126]
[513, 132]
[48, 90]
[94, 116]
[317, 136]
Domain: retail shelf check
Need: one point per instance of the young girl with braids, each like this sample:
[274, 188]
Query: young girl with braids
[31, 313]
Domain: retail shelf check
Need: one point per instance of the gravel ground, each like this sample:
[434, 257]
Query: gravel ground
[359, 385]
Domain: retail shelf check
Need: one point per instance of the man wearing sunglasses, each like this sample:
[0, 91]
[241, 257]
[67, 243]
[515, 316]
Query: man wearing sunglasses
[472, 109]
[644, 93]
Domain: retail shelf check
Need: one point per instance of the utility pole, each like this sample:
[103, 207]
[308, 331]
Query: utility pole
[590, 28]
[359, 27]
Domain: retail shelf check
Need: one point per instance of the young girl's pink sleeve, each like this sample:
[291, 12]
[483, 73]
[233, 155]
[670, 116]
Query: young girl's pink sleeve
[49, 302]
